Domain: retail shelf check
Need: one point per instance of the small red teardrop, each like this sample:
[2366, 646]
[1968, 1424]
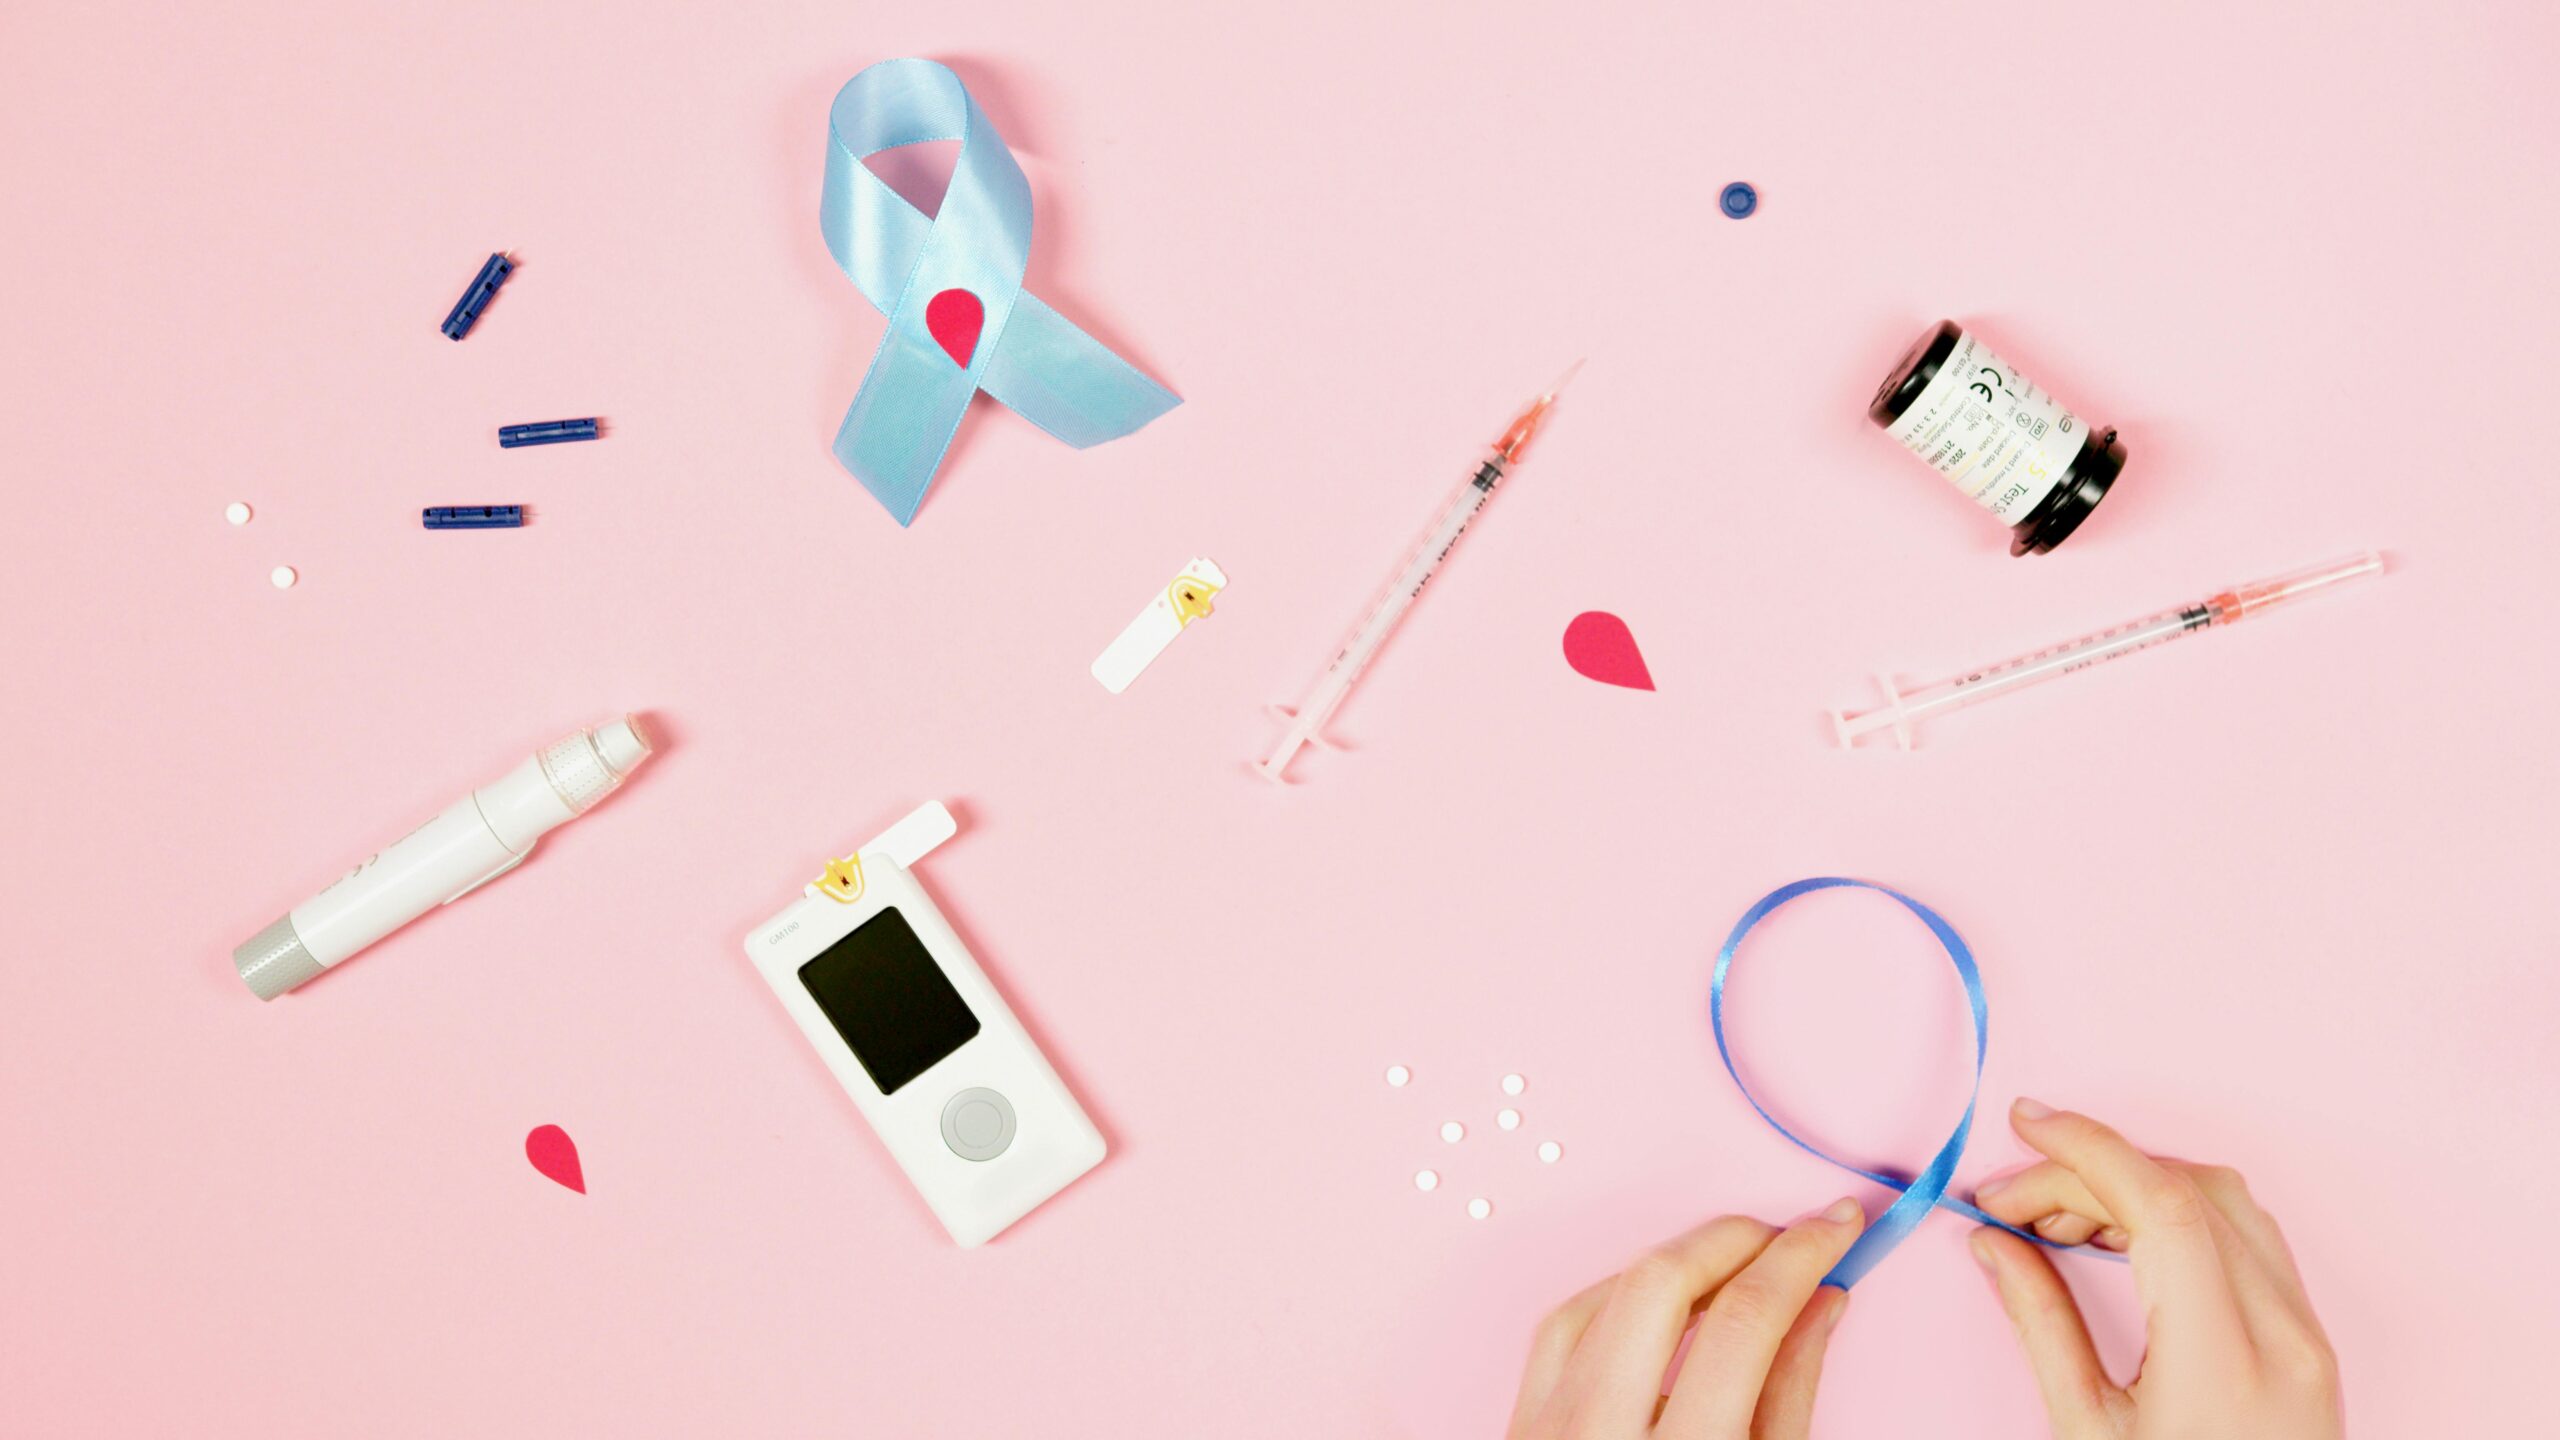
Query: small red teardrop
[556, 1156]
[1599, 645]
[954, 317]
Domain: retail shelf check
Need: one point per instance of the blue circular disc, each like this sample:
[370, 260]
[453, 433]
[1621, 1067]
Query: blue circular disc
[1739, 200]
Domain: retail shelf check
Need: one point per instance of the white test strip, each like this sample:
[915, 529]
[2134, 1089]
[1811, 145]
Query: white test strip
[1184, 599]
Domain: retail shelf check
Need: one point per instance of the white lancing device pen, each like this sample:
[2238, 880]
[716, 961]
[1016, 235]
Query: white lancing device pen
[478, 838]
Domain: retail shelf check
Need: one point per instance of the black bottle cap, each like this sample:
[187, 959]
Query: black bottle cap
[2095, 468]
[1912, 373]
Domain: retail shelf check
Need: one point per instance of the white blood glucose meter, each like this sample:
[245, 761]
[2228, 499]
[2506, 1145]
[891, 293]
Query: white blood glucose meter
[917, 1036]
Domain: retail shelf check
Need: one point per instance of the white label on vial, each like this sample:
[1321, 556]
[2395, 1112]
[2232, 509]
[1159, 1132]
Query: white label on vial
[1994, 434]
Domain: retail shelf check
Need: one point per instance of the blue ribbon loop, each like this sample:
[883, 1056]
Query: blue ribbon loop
[1927, 1190]
[1026, 354]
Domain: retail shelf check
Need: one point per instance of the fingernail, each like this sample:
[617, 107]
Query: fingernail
[1980, 1244]
[1844, 1209]
[2115, 1237]
[2026, 1109]
[1991, 1187]
[1829, 1319]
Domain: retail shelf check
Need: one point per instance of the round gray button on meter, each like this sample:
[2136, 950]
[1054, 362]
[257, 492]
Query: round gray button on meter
[977, 1124]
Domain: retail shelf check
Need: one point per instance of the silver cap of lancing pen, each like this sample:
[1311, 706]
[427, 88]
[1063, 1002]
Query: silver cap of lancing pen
[275, 960]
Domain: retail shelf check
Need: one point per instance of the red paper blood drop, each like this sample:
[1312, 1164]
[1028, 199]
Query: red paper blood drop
[556, 1156]
[955, 317]
[1599, 645]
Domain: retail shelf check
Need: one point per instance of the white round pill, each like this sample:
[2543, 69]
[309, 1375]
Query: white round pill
[1398, 1075]
[1513, 1084]
[282, 577]
[1550, 1152]
[236, 513]
[1453, 1132]
[1426, 1179]
[1479, 1208]
[1508, 1119]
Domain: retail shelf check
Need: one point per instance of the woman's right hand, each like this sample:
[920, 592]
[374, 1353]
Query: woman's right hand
[2234, 1349]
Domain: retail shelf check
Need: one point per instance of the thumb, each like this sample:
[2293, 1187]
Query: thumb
[2078, 1397]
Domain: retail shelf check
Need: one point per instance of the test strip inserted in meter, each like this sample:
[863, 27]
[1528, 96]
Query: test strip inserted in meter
[1184, 599]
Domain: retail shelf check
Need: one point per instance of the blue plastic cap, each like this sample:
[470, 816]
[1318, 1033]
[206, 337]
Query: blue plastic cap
[1739, 200]
[473, 517]
[466, 311]
[546, 432]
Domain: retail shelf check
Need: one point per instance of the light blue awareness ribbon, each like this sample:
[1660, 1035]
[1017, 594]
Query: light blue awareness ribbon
[1026, 355]
[1927, 1190]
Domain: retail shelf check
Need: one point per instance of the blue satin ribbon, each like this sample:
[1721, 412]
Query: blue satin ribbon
[1027, 355]
[1927, 1190]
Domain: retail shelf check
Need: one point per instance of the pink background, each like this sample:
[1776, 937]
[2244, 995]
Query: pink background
[2279, 898]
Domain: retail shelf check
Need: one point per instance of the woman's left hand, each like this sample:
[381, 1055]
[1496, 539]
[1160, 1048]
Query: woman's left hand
[1763, 1318]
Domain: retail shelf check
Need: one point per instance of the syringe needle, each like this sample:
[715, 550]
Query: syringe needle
[1515, 440]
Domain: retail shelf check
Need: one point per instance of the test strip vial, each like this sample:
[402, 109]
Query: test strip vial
[546, 432]
[2002, 440]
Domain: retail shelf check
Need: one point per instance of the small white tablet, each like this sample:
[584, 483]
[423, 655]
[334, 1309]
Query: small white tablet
[914, 1032]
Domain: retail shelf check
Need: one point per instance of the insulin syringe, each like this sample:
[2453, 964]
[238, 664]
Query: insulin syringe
[2239, 602]
[1307, 722]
